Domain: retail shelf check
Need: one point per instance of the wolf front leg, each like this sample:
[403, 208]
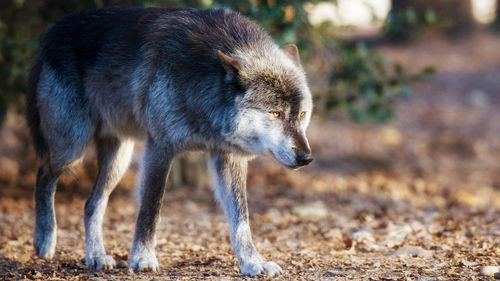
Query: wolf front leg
[153, 175]
[229, 180]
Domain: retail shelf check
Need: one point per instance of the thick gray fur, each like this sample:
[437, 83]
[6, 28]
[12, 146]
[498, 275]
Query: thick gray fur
[179, 80]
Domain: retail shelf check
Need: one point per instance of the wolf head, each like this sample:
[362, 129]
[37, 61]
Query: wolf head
[275, 108]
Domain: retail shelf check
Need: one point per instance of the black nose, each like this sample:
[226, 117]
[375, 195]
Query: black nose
[304, 159]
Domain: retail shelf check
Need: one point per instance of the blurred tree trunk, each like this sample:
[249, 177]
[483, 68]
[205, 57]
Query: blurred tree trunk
[497, 15]
[498, 10]
[189, 170]
[459, 12]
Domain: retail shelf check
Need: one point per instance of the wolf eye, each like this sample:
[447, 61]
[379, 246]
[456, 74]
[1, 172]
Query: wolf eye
[277, 114]
[302, 114]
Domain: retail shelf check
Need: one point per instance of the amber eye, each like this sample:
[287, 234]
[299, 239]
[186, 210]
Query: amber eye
[277, 114]
[302, 114]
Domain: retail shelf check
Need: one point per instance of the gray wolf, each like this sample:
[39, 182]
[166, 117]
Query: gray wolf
[178, 80]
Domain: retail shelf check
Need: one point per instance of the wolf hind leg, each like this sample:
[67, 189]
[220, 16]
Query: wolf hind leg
[114, 157]
[45, 227]
[66, 127]
[48, 174]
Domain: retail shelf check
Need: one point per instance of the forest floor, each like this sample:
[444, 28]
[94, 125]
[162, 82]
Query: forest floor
[417, 198]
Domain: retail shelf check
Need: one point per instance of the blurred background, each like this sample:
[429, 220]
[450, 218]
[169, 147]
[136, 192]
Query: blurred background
[406, 131]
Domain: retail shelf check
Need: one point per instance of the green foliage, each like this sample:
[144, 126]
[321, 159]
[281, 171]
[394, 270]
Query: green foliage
[367, 84]
[402, 24]
[286, 20]
[18, 40]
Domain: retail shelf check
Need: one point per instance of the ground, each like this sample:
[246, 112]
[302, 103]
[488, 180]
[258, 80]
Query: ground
[417, 198]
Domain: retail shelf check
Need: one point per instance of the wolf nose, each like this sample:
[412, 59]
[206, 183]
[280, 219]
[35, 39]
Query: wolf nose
[304, 159]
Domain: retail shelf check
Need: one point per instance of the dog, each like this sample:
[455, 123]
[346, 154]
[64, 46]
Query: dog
[178, 80]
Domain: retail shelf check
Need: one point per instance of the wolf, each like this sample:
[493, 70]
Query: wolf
[177, 80]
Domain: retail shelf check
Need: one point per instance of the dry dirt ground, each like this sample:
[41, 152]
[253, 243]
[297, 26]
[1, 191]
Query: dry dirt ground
[415, 199]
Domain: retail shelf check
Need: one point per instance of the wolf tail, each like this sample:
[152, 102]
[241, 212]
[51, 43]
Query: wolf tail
[32, 111]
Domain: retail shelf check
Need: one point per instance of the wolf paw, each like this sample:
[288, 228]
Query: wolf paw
[100, 262]
[262, 267]
[144, 263]
[45, 245]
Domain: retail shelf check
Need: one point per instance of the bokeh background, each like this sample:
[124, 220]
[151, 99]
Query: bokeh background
[406, 138]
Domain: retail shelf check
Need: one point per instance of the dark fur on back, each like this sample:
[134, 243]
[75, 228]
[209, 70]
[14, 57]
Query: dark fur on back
[77, 41]
[80, 41]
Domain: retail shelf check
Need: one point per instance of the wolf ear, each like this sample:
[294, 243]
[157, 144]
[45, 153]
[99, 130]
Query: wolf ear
[231, 65]
[292, 52]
